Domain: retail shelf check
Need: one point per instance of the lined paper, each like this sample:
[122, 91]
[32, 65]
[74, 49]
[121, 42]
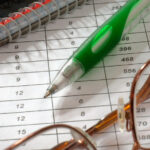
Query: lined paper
[29, 64]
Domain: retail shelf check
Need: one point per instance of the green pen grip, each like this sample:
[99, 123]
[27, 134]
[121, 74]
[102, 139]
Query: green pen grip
[105, 38]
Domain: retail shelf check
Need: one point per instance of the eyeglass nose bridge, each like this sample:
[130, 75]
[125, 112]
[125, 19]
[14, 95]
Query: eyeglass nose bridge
[128, 121]
[91, 145]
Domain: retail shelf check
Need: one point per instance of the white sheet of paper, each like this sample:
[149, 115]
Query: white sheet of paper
[28, 65]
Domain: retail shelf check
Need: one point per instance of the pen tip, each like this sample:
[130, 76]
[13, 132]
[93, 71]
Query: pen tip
[47, 94]
[50, 91]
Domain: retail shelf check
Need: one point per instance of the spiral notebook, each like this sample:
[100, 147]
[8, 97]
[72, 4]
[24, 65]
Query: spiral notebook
[10, 6]
[28, 65]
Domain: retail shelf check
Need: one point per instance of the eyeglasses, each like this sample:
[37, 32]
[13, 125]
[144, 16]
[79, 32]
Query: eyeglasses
[137, 113]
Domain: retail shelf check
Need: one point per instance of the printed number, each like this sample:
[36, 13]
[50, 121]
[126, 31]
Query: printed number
[16, 46]
[19, 92]
[17, 57]
[144, 137]
[18, 67]
[125, 48]
[129, 70]
[18, 79]
[22, 132]
[81, 101]
[142, 123]
[79, 88]
[73, 43]
[82, 113]
[140, 110]
[70, 22]
[20, 106]
[127, 59]
[128, 84]
[72, 33]
[116, 7]
[126, 38]
[21, 118]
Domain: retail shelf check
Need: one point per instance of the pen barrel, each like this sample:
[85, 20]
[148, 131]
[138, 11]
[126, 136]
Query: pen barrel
[33, 17]
[105, 38]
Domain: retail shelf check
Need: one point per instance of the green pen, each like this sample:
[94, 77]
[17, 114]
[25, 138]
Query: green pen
[100, 43]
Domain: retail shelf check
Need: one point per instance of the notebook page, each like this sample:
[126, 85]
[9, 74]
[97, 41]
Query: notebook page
[31, 63]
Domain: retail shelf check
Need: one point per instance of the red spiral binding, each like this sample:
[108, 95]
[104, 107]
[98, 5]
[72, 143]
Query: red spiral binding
[16, 16]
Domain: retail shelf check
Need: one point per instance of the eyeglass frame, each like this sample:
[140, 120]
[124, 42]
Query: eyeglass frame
[103, 124]
[131, 120]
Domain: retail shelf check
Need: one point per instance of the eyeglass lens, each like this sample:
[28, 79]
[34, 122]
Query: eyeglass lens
[142, 110]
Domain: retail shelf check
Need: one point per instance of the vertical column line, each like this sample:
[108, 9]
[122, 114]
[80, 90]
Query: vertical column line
[110, 101]
[106, 78]
[146, 33]
[48, 63]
